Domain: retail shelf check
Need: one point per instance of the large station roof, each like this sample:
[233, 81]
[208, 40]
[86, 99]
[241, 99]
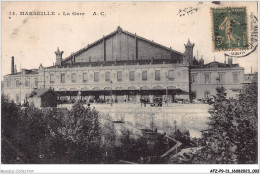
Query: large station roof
[149, 46]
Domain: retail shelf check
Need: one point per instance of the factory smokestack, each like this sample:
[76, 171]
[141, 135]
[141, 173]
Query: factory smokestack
[12, 65]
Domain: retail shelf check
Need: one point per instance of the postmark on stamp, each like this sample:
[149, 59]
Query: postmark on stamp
[229, 28]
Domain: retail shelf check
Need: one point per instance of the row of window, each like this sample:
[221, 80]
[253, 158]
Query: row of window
[108, 76]
[18, 83]
[220, 79]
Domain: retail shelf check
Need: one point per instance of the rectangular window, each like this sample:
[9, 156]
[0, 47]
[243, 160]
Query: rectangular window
[171, 75]
[36, 82]
[107, 76]
[8, 84]
[17, 83]
[132, 75]
[26, 82]
[62, 77]
[235, 78]
[144, 75]
[221, 77]
[96, 76]
[119, 76]
[52, 78]
[207, 78]
[193, 78]
[157, 75]
[85, 77]
[73, 77]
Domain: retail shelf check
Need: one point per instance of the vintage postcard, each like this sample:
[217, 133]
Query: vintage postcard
[131, 84]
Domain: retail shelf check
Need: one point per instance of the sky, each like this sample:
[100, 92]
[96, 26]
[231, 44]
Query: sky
[33, 39]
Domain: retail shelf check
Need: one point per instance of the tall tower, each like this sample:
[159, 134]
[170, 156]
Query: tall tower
[188, 54]
[58, 57]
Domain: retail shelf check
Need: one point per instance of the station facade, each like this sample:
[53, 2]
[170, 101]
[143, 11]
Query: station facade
[124, 67]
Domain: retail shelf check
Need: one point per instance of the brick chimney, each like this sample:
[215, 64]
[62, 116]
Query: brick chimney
[12, 65]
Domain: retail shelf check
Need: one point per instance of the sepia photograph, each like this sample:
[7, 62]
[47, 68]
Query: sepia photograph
[129, 84]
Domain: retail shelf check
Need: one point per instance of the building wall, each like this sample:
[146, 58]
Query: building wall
[181, 80]
[15, 92]
[180, 77]
[200, 87]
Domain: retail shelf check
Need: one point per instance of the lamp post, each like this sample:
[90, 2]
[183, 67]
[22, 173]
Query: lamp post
[175, 125]
[152, 120]
[79, 96]
[20, 93]
[140, 96]
[111, 93]
[167, 89]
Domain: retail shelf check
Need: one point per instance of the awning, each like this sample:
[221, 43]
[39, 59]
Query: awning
[124, 92]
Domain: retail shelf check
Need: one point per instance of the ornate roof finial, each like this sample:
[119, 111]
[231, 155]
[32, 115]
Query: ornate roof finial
[189, 44]
[119, 28]
[58, 51]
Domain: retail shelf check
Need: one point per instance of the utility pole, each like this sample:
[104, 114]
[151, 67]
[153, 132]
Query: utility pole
[166, 89]
[152, 120]
[111, 94]
[189, 71]
[43, 77]
[20, 93]
[175, 125]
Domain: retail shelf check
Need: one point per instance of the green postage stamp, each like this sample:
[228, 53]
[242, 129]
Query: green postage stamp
[229, 28]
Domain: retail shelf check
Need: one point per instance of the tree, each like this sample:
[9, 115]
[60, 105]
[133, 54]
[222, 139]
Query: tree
[126, 145]
[39, 136]
[131, 147]
[26, 134]
[54, 145]
[33, 130]
[232, 136]
[249, 120]
[109, 142]
[9, 121]
[82, 131]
